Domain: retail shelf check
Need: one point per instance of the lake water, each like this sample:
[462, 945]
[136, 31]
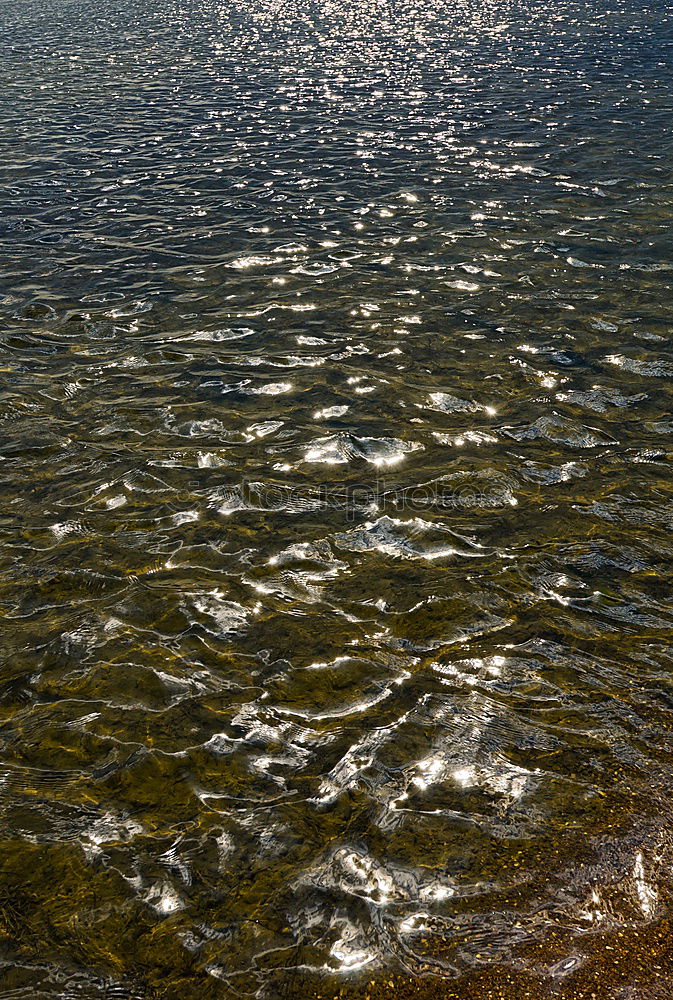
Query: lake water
[336, 406]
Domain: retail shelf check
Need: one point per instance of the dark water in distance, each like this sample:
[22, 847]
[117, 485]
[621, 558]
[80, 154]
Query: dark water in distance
[336, 511]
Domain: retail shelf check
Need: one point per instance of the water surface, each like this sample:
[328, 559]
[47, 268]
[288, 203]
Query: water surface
[336, 391]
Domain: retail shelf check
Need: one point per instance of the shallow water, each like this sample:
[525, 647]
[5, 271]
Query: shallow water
[336, 525]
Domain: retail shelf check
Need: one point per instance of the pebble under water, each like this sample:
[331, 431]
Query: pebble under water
[336, 398]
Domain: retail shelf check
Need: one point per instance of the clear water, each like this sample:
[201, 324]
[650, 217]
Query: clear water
[336, 517]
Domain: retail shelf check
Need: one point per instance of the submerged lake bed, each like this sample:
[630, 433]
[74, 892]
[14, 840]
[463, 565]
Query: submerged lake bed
[336, 397]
